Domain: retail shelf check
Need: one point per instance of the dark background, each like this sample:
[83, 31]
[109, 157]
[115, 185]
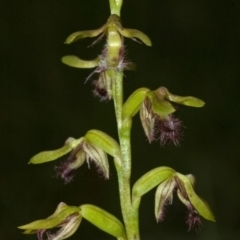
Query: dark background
[43, 102]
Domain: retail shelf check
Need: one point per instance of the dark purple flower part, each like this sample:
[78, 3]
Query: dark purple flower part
[40, 234]
[74, 161]
[65, 172]
[103, 86]
[193, 220]
[100, 90]
[168, 130]
[193, 217]
[162, 214]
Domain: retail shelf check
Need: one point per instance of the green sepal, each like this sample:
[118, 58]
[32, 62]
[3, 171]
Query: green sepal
[48, 156]
[62, 212]
[74, 61]
[133, 103]
[134, 33]
[150, 180]
[103, 141]
[160, 106]
[83, 34]
[103, 220]
[187, 101]
[199, 204]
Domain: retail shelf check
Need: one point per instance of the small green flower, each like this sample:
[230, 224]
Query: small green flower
[156, 113]
[113, 54]
[66, 218]
[85, 151]
[168, 180]
[184, 185]
[93, 147]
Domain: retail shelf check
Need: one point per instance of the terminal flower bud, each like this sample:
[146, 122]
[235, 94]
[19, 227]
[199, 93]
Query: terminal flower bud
[115, 6]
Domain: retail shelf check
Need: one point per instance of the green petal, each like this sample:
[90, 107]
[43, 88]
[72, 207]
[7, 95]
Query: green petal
[163, 196]
[97, 155]
[103, 220]
[150, 180]
[133, 33]
[74, 61]
[133, 103]
[187, 101]
[148, 120]
[48, 156]
[199, 204]
[83, 34]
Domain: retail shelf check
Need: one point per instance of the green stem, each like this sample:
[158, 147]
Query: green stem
[130, 215]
